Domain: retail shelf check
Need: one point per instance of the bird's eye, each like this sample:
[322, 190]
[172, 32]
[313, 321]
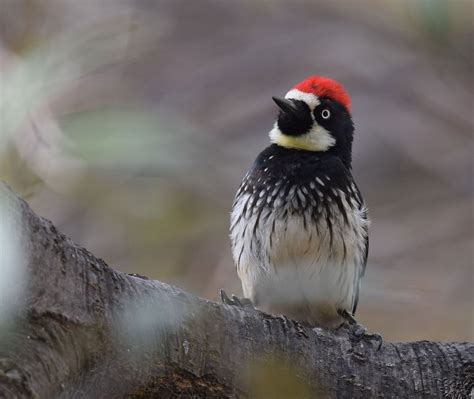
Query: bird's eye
[325, 114]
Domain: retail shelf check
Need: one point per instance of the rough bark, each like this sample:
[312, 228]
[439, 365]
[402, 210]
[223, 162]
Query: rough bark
[86, 330]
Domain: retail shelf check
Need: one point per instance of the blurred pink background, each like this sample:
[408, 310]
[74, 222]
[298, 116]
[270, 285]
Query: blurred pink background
[129, 124]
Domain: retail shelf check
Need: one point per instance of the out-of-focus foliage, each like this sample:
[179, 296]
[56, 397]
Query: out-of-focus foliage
[130, 123]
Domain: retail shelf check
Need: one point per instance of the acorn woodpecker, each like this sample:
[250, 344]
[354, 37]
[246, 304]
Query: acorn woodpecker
[299, 225]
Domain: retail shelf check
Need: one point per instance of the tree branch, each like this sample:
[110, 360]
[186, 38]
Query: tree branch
[83, 329]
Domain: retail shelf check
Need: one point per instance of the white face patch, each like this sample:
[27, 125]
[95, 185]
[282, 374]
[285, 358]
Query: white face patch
[308, 98]
[317, 139]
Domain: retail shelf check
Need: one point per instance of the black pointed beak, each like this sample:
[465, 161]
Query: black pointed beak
[286, 105]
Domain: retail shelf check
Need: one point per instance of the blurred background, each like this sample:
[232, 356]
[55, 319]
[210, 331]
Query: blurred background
[129, 124]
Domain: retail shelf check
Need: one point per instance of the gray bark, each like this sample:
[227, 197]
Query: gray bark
[84, 330]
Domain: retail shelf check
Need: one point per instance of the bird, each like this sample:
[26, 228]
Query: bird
[299, 225]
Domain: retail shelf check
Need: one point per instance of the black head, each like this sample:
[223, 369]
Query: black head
[314, 123]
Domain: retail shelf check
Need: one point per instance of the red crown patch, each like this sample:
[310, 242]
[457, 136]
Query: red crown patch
[326, 87]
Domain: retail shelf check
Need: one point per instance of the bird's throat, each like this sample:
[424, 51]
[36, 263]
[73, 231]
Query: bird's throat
[311, 141]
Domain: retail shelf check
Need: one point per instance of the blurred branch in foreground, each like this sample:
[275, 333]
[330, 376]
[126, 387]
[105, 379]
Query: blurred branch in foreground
[86, 330]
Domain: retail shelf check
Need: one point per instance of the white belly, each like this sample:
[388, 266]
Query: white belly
[289, 264]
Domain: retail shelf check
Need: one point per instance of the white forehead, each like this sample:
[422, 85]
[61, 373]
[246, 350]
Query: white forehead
[309, 98]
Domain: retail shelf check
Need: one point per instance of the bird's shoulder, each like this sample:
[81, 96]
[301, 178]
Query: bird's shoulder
[295, 166]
